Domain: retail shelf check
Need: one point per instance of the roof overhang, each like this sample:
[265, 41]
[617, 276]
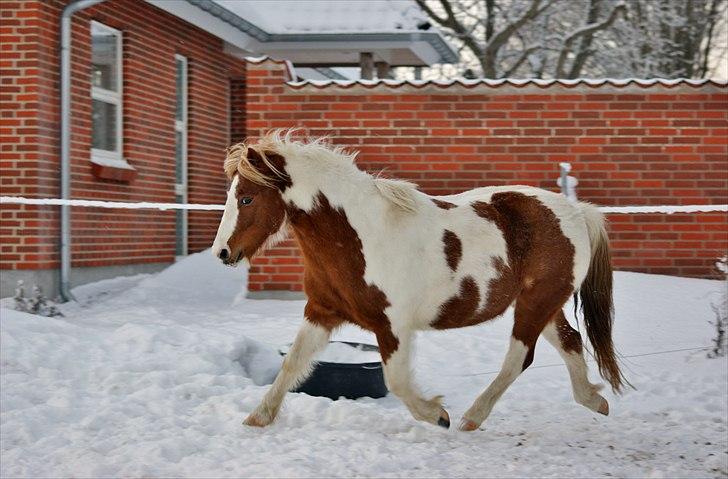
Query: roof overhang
[400, 48]
[330, 49]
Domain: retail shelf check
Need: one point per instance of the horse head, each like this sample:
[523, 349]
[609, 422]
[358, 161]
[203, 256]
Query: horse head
[255, 213]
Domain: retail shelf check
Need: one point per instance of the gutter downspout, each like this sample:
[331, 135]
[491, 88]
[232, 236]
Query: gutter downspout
[65, 87]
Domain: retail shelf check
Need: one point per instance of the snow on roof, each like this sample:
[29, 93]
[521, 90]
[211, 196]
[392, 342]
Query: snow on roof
[328, 16]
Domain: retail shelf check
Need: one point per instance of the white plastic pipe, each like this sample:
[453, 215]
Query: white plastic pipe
[66, 18]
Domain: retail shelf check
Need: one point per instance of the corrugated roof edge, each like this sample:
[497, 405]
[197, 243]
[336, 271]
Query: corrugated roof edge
[591, 82]
[516, 82]
[264, 59]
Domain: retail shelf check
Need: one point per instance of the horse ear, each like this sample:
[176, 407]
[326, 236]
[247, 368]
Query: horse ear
[273, 167]
[278, 162]
[254, 158]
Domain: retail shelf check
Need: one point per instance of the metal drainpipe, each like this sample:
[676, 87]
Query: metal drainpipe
[66, 18]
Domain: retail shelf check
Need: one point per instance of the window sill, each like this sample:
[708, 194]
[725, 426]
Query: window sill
[112, 169]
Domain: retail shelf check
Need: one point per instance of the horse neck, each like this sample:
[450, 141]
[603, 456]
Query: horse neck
[343, 185]
[340, 209]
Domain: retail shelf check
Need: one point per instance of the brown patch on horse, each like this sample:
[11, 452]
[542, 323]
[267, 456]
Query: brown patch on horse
[538, 250]
[501, 290]
[503, 211]
[462, 310]
[445, 205]
[334, 268]
[453, 249]
[463, 305]
[257, 221]
[569, 337]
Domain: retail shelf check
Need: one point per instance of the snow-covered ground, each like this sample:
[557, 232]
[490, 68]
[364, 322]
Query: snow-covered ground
[152, 375]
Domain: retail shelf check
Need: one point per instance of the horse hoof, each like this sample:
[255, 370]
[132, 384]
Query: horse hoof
[467, 425]
[255, 421]
[603, 407]
[444, 420]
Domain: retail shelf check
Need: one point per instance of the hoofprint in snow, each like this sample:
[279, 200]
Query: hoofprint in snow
[152, 376]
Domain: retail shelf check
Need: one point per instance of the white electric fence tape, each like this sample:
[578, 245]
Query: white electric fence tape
[19, 200]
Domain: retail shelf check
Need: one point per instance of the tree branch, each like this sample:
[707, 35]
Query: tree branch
[430, 13]
[490, 19]
[584, 50]
[587, 30]
[452, 23]
[709, 40]
[521, 59]
[497, 41]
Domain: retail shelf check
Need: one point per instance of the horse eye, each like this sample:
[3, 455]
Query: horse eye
[246, 201]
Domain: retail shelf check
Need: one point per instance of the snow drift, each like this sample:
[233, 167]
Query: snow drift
[152, 375]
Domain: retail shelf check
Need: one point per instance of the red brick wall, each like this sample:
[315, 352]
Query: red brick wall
[628, 146]
[30, 136]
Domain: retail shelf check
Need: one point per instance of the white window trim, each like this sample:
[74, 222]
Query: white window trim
[105, 157]
[181, 127]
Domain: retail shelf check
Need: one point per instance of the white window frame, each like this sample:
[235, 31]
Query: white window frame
[104, 157]
[181, 127]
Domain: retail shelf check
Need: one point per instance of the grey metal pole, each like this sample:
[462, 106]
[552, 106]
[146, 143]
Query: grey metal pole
[65, 88]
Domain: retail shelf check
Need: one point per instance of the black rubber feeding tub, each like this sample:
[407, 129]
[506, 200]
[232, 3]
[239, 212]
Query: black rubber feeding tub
[351, 370]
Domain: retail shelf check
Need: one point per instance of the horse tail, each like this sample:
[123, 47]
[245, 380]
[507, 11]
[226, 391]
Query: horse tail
[596, 298]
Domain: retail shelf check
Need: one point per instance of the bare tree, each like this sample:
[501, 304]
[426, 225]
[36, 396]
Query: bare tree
[502, 35]
[576, 38]
[672, 39]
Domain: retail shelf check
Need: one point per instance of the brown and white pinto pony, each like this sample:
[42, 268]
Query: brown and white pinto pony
[382, 255]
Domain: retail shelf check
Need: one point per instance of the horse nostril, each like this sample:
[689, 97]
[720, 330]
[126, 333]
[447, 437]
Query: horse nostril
[224, 253]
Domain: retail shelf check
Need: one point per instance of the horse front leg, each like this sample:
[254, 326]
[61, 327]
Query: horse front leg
[311, 338]
[396, 353]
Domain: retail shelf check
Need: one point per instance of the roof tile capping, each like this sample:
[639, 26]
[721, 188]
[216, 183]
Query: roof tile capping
[290, 70]
[514, 82]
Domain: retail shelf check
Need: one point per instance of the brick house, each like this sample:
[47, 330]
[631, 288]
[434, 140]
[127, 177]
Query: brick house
[157, 91]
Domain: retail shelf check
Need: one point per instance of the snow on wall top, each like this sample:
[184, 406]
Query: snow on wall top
[328, 16]
[515, 82]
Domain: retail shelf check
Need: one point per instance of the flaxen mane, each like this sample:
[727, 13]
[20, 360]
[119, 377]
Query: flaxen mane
[318, 153]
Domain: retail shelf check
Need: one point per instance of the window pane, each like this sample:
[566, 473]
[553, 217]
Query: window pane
[181, 80]
[103, 58]
[103, 126]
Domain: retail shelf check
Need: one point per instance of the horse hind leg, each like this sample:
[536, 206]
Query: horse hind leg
[567, 342]
[513, 365]
[531, 316]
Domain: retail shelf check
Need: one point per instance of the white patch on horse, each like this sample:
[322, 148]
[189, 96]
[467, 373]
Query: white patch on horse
[510, 370]
[400, 380]
[229, 219]
[585, 393]
[310, 340]
[596, 230]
